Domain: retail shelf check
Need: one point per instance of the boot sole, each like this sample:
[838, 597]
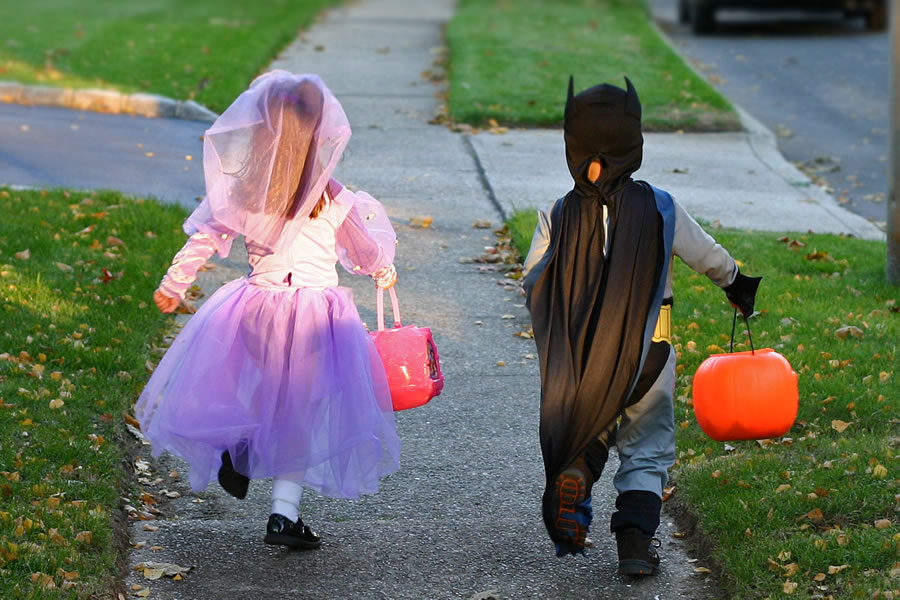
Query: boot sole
[280, 539]
[636, 566]
[571, 490]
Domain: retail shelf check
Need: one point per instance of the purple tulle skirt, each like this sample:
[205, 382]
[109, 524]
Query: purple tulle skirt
[287, 380]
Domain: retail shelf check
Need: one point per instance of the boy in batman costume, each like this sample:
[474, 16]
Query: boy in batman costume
[599, 289]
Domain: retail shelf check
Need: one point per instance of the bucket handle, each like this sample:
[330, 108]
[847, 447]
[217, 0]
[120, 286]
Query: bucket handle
[379, 306]
[750, 335]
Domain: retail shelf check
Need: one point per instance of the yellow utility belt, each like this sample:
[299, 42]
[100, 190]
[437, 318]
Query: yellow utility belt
[663, 331]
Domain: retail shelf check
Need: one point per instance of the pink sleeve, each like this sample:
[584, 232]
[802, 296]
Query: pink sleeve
[181, 274]
[366, 240]
[202, 221]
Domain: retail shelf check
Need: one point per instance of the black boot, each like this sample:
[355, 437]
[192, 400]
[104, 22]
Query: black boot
[637, 552]
[231, 481]
[283, 531]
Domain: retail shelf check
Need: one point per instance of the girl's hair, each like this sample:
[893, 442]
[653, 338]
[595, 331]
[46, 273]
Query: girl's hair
[269, 156]
[319, 207]
[301, 113]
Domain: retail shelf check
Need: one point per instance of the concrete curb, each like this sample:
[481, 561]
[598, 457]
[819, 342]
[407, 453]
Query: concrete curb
[104, 101]
[764, 144]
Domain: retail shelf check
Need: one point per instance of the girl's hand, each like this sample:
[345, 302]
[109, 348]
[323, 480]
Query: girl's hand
[385, 277]
[164, 303]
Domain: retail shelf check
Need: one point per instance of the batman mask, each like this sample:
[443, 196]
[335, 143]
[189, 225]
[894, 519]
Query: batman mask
[603, 122]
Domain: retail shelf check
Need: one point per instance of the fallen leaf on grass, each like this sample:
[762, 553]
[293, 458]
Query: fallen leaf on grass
[24, 254]
[883, 523]
[835, 569]
[815, 515]
[789, 587]
[818, 255]
[85, 537]
[64, 267]
[839, 425]
[844, 332]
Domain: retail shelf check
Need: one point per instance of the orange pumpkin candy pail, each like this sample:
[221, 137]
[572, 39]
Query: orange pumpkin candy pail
[749, 395]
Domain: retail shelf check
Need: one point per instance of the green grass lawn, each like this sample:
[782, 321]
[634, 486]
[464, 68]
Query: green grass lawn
[813, 514]
[202, 50]
[510, 61]
[77, 329]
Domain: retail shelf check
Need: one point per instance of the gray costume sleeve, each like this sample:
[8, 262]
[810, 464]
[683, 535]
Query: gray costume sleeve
[541, 239]
[700, 251]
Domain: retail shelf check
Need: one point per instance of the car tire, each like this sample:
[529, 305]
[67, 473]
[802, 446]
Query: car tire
[684, 12]
[703, 16]
[876, 18]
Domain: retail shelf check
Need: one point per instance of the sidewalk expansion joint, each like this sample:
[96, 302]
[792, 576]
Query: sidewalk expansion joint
[483, 178]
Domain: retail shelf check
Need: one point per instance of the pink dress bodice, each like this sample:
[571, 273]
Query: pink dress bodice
[352, 229]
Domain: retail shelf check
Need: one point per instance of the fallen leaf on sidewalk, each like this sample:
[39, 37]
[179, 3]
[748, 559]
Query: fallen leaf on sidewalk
[422, 222]
[155, 570]
[185, 308]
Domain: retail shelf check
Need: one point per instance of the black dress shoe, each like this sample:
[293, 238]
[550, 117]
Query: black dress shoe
[283, 531]
[231, 481]
[637, 552]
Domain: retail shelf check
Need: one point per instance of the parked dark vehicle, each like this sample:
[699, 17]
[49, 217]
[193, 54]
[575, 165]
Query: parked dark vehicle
[701, 14]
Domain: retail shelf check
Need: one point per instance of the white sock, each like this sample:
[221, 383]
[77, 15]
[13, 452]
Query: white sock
[286, 497]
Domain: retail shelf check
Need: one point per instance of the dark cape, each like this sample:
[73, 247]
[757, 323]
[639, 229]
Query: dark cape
[593, 313]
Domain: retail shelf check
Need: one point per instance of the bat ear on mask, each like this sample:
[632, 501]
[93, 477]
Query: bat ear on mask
[570, 98]
[632, 103]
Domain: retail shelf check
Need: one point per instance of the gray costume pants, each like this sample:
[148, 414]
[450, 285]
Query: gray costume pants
[645, 440]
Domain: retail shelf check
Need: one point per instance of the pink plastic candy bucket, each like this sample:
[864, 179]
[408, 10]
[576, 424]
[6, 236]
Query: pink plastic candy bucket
[410, 358]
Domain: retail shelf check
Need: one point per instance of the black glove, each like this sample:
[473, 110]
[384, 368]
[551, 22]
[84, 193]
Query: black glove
[742, 293]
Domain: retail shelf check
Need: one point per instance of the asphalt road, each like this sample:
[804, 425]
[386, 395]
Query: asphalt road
[819, 81]
[44, 146]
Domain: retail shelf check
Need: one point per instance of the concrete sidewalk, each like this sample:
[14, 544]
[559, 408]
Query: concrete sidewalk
[738, 180]
[461, 519]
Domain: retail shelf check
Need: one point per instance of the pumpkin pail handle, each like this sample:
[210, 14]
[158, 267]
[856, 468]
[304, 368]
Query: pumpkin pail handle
[750, 335]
